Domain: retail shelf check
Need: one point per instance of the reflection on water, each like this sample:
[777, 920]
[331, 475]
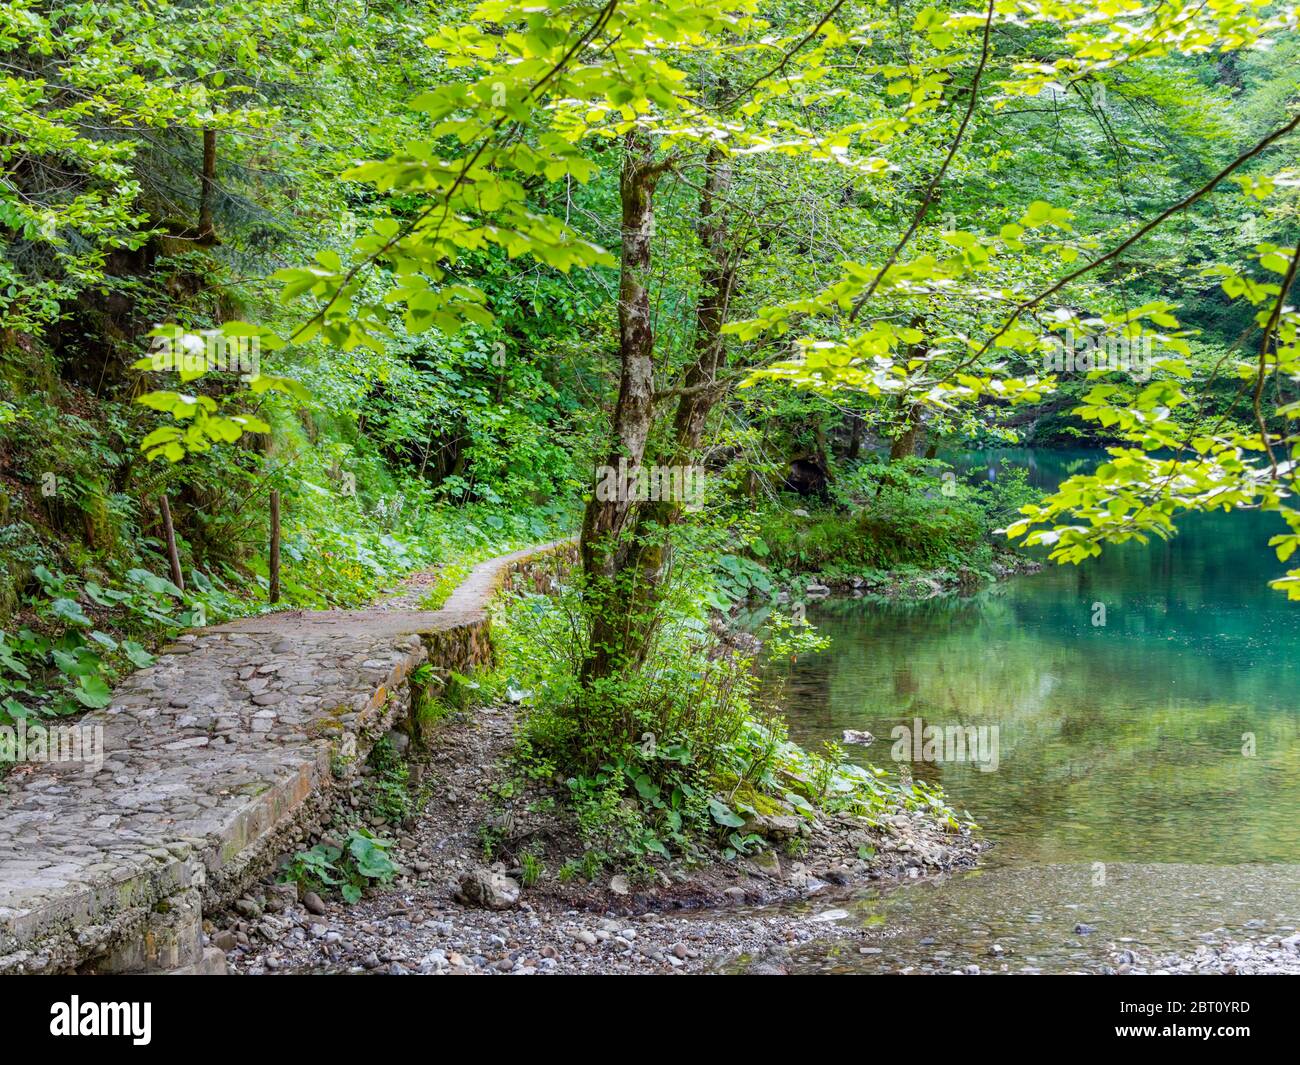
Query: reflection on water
[1120, 742]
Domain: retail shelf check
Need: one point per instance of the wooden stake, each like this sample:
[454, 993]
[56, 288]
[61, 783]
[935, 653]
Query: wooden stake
[275, 545]
[169, 532]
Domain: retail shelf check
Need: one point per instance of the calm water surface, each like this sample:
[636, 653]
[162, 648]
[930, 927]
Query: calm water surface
[1122, 798]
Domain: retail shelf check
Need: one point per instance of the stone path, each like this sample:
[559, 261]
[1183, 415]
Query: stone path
[217, 758]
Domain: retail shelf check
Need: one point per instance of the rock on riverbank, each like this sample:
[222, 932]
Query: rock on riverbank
[909, 584]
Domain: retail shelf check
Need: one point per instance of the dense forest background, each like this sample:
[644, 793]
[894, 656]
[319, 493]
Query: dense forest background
[175, 164]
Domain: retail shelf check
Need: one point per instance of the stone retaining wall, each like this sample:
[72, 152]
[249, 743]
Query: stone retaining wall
[219, 758]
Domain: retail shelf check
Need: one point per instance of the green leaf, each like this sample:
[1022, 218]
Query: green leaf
[646, 788]
[155, 584]
[139, 657]
[724, 814]
[92, 691]
[69, 610]
[104, 640]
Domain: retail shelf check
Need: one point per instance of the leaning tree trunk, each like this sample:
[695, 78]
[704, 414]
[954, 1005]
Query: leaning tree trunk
[634, 568]
[603, 547]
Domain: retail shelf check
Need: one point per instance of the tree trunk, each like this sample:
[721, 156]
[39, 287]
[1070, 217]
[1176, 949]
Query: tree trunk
[628, 575]
[169, 535]
[856, 425]
[273, 590]
[603, 547]
[904, 445]
[207, 231]
[819, 443]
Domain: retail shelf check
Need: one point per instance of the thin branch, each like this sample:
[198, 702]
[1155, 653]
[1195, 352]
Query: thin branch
[1123, 246]
[785, 58]
[602, 19]
[919, 217]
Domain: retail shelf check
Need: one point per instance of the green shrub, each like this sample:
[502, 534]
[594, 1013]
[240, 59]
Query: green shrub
[888, 516]
[361, 862]
[84, 635]
[387, 788]
[673, 757]
[1003, 498]
[912, 513]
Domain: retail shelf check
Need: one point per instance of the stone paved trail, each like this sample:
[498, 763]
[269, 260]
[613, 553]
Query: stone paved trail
[215, 757]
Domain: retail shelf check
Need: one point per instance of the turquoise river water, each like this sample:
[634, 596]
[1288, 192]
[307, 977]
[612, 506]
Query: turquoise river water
[1147, 779]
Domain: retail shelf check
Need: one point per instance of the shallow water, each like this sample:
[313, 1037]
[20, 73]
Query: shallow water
[1145, 776]
[1032, 917]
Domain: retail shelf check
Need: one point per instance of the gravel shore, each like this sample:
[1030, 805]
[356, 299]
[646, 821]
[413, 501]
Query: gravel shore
[450, 912]
[1272, 955]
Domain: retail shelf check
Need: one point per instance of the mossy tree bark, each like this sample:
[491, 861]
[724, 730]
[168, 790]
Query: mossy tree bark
[625, 543]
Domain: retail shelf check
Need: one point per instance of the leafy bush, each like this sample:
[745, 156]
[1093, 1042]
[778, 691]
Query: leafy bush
[739, 578]
[888, 516]
[674, 757]
[67, 659]
[360, 863]
[903, 515]
[387, 787]
[1003, 498]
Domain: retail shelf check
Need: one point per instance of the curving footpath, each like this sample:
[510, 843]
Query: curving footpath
[218, 759]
